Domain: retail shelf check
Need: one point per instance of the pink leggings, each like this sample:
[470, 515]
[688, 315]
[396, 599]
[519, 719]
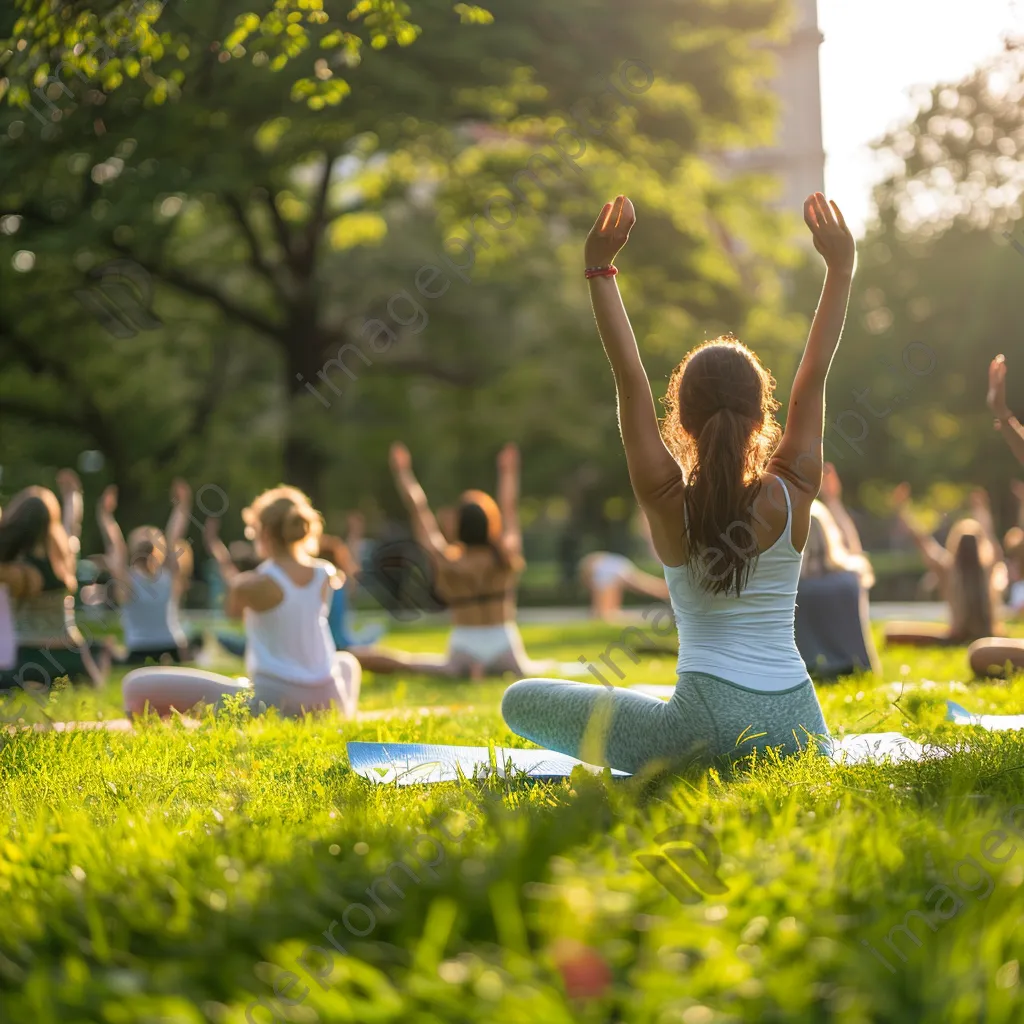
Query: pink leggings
[163, 689]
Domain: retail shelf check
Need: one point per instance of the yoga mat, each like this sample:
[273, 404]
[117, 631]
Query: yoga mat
[407, 764]
[872, 747]
[994, 723]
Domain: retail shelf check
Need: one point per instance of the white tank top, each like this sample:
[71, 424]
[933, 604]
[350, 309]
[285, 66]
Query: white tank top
[748, 640]
[149, 616]
[292, 642]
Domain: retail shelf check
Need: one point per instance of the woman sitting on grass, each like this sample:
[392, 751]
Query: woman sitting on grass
[475, 577]
[17, 582]
[33, 537]
[998, 656]
[729, 507]
[332, 549]
[149, 578]
[970, 578]
[833, 626]
[290, 656]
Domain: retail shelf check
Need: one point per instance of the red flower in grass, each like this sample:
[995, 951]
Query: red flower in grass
[585, 973]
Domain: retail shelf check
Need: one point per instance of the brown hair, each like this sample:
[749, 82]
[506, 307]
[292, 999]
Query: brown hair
[287, 517]
[971, 598]
[33, 517]
[826, 551]
[479, 524]
[721, 428]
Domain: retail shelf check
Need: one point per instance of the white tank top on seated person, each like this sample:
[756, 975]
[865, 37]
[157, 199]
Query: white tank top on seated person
[291, 642]
[748, 640]
[149, 615]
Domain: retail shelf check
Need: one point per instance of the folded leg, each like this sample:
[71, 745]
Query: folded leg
[996, 656]
[608, 725]
[164, 690]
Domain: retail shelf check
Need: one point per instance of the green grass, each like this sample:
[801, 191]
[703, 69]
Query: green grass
[169, 876]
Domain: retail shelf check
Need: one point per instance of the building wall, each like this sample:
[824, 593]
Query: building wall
[798, 157]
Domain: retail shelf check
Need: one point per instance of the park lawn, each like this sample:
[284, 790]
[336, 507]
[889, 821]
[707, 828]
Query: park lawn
[173, 876]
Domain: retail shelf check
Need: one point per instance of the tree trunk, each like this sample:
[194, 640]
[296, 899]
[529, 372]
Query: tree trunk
[302, 459]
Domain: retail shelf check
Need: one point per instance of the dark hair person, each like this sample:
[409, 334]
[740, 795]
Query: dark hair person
[728, 496]
[474, 576]
[969, 572]
[998, 656]
[33, 537]
[833, 627]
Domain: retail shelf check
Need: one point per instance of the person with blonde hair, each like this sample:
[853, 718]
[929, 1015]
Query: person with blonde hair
[149, 574]
[291, 660]
[833, 628]
[35, 542]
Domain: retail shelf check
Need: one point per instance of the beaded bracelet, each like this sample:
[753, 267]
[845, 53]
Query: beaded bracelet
[608, 271]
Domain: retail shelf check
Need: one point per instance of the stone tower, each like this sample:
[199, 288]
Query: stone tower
[799, 156]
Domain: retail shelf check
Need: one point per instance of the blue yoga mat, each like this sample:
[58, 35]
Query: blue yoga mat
[407, 764]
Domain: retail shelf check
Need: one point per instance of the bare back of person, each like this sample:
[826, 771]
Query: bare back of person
[477, 587]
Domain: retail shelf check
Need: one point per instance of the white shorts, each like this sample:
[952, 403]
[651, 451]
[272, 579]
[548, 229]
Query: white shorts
[486, 644]
[607, 569]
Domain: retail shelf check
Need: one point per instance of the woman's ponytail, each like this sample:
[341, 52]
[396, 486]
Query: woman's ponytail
[718, 500]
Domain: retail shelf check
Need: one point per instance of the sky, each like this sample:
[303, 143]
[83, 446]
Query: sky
[874, 52]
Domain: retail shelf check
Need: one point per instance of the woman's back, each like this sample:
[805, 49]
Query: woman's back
[292, 641]
[746, 639]
[42, 619]
[149, 614]
[478, 585]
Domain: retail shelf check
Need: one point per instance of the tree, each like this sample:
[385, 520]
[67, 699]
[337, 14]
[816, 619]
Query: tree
[230, 163]
[937, 293]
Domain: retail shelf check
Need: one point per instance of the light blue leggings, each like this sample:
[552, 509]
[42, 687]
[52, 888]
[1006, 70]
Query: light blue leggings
[706, 720]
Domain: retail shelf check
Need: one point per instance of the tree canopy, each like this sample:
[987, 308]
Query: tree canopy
[261, 241]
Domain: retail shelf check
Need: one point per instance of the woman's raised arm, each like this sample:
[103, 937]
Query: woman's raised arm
[799, 455]
[1006, 423]
[655, 475]
[424, 525]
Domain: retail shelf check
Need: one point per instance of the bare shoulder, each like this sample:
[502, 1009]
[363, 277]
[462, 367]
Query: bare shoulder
[257, 591]
[666, 517]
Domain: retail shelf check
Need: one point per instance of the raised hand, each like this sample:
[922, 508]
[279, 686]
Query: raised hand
[508, 459]
[399, 457]
[979, 500]
[609, 233]
[108, 500]
[1017, 490]
[832, 238]
[68, 481]
[211, 531]
[831, 486]
[901, 497]
[996, 397]
[181, 492]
